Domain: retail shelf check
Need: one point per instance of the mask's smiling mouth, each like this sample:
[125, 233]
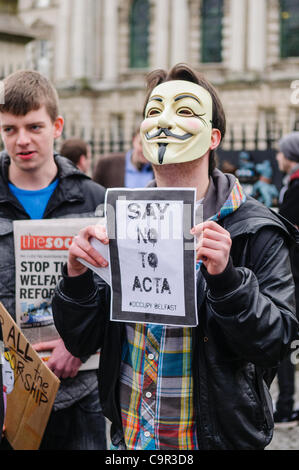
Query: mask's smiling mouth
[167, 133]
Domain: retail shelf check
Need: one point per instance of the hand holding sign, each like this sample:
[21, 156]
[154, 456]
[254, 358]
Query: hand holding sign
[213, 246]
[83, 249]
[61, 361]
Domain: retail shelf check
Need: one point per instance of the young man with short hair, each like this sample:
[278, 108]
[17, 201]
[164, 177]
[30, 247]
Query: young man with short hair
[213, 392]
[35, 183]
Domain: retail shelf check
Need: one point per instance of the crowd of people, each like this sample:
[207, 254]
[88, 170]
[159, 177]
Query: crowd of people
[161, 387]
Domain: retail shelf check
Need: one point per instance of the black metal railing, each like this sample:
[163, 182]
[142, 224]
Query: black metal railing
[260, 145]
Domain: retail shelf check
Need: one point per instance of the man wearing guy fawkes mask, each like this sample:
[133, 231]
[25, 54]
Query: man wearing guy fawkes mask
[213, 392]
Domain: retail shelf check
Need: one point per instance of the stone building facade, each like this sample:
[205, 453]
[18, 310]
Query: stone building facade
[87, 48]
[13, 38]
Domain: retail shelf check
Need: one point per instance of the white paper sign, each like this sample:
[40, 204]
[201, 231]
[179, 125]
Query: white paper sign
[152, 256]
[151, 281]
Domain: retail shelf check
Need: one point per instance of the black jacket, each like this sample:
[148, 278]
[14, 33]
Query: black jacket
[75, 196]
[246, 324]
[76, 193]
[289, 205]
[290, 210]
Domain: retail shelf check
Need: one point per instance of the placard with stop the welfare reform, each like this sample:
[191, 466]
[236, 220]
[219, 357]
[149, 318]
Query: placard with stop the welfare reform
[152, 255]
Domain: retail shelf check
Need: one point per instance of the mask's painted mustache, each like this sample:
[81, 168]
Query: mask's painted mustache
[168, 133]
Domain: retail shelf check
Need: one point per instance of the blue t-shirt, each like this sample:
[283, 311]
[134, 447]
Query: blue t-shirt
[34, 202]
[137, 178]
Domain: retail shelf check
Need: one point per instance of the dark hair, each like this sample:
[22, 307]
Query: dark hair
[185, 72]
[73, 149]
[26, 91]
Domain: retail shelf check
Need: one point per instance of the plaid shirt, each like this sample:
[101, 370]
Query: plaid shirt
[156, 388]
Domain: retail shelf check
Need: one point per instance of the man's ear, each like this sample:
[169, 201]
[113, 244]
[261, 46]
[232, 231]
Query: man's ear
[58, 126]
[82, 163]
[1, 130]
[215, 139]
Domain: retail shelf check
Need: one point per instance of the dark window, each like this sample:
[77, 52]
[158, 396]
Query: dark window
[211, 27]
[139, 33]
[289, 28]
[10, 7]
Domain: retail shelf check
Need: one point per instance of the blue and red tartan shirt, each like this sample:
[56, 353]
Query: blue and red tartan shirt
[156, 388]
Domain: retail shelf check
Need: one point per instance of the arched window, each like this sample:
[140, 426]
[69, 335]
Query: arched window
[289, 28]
[211, 30]
[139, 33]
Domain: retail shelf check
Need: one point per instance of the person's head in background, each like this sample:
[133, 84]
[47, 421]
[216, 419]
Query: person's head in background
[137, 158]
[288, 154]
[78, 152]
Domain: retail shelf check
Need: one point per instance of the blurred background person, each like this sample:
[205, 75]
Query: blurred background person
[78, 151]
[288, 162]
[130, 170]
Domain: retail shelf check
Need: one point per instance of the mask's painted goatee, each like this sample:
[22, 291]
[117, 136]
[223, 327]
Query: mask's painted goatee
[161, 152]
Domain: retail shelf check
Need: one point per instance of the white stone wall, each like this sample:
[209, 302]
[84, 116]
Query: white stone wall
[12, 57]
[30, 14]
[273, 30]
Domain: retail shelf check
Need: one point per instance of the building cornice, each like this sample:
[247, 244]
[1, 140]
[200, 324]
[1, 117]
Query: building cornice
[12, 28]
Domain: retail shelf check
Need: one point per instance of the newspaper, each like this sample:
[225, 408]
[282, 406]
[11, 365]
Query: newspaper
[41, 249]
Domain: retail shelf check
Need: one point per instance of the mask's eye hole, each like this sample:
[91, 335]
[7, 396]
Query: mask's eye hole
[186, 112]
[153, 112]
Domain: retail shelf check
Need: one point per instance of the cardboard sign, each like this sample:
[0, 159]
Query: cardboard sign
[2, 397]
[31, 388]
[152, 255]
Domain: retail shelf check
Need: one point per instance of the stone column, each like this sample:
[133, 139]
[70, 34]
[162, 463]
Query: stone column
[62, 44]
[179, 31]
[257, 15]
[92, 38]
[78, 43]
[160, 32]
[238, 35]
[110, 39]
